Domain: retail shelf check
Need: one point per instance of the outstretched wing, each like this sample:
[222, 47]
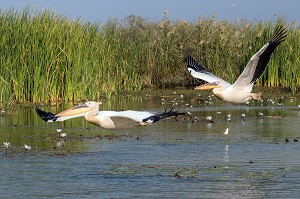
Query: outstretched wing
[259, 62]
[46, 116]
[50, 117]
[157, 117]
[200, 72]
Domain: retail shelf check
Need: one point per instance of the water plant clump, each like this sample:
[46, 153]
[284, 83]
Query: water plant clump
[48, 57]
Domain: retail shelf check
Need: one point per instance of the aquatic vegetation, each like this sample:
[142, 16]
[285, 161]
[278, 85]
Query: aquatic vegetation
[6, 144]
[48, 58]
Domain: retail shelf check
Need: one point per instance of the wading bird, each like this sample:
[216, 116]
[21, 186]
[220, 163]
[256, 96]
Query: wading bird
[107, 119]
[226, 133]
[240, 91]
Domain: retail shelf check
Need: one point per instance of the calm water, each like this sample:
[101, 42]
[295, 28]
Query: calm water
[187, 158]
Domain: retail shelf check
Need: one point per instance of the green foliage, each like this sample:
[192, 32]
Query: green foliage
[47, 57]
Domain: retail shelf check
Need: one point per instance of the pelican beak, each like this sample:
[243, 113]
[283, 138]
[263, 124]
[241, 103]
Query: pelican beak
[208, 86]
[75, 110]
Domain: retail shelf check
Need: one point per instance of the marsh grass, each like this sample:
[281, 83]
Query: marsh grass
[46, 57]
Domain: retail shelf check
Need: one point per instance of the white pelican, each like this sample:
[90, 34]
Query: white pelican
[240, 91]
[106, 119]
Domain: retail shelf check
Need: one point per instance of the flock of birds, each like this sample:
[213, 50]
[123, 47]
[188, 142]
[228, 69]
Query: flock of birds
[238, 93]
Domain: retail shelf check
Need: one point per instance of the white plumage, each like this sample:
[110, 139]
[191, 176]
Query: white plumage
[107, 119]
[240, 91]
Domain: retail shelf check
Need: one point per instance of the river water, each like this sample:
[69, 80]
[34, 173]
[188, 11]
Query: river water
[187, 157]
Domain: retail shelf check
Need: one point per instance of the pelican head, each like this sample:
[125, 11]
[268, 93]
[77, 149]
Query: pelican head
[209, 86]
[88, 107]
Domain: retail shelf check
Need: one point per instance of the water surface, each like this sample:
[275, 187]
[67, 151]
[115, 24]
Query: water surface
[184, 158]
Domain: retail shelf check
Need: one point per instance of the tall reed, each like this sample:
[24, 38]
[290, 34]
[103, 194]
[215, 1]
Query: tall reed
[46, 57]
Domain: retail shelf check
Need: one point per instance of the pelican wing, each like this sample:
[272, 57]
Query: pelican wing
[123, 122]
[119, 119]
[127, 119]
[259, 62]
[50, 117]
[200, 72]
[157, 117]
[137, 116]
[46, 116]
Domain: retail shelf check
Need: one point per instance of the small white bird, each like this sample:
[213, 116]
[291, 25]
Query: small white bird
[63, 135]
[228, 117]
[243, 116]
[209, 119]
[26, 147]
[6, 144]
[226, 133]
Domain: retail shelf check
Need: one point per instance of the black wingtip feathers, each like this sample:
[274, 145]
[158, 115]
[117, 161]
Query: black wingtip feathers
[46, 116]
[163, 115]
[279, 35]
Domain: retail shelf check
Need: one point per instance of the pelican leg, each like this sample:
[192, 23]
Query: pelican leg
[144, 123]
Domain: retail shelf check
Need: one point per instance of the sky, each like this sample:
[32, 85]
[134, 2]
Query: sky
[190, 10]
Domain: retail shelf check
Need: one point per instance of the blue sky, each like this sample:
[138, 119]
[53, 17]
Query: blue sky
[100, 10]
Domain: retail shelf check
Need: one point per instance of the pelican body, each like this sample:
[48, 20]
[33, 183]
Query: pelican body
[240, 91]
[106, 119]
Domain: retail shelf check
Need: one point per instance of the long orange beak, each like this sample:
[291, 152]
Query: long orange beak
[75, 110]
[208, 86]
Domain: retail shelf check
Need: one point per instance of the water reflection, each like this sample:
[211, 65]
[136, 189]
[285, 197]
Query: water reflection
[226, 154]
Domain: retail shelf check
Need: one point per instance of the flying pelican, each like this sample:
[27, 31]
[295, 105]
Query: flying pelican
[240, 91]
[106, 119]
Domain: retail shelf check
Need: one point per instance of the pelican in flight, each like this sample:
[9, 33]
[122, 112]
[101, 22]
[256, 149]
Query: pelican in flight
[240, 91]
[106, 119]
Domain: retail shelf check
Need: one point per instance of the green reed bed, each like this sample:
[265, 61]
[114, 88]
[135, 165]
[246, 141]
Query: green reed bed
[47, 57]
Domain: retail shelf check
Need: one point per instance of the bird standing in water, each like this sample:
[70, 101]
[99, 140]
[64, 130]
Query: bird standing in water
[226, 133]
